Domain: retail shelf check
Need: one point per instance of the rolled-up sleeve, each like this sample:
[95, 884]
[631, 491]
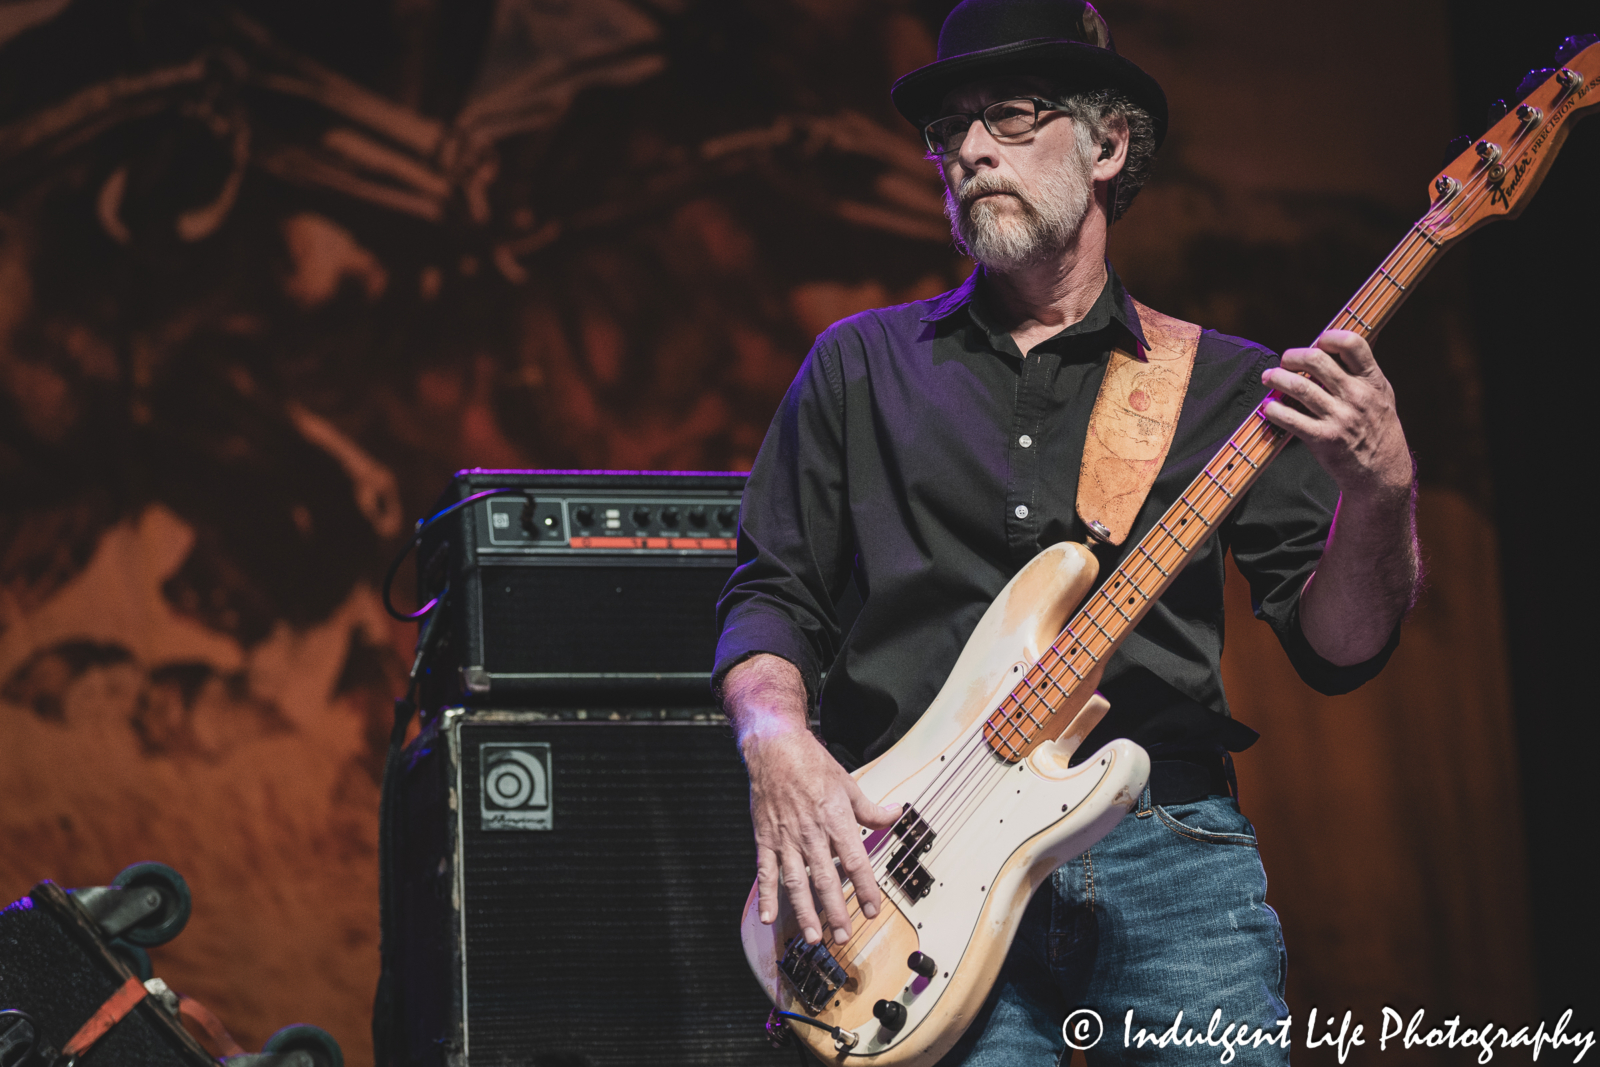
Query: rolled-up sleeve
[795, 541]
[1277, 534]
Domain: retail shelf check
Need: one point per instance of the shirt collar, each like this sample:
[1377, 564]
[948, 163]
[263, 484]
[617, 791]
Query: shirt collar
[1112, 305]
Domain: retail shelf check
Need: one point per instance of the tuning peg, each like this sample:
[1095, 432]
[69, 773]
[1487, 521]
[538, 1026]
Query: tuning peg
[1456, 146]
[1533, 80]
[1497, 111]
[1573, 45]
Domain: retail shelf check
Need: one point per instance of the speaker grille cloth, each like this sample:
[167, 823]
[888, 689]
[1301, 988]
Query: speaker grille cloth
[46, 973]
[612, 939]
[594, 619]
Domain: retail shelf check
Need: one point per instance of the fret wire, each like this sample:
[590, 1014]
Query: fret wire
[1068, 663]
[1000, 731]
[1219, 485]
[1358, 318]
[1126, 617]
[1037, 696]
[1002, 715]
[1257, 443]
[1390, 278]
[1049, 674]
[1080, 643]
[1363, 296]
[1198, 513]
[1242, 455]
[1018, 738]
[1004, 722]
[1142, 551]
[1426, 236]
[1401, 252]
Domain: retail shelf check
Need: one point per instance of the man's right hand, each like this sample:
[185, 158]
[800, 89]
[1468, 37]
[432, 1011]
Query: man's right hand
[806, 810]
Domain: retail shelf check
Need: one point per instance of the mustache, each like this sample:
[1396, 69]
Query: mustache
[986, 185]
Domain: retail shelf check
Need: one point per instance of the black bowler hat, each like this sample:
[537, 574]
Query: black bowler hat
[1065, 40]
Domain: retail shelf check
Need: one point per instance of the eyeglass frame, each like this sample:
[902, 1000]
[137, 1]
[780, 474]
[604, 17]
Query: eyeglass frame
[1040, 107]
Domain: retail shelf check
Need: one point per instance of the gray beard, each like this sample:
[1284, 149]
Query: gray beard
[1039, 231]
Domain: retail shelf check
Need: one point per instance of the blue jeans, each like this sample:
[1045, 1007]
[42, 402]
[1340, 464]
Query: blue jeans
[1166, 914]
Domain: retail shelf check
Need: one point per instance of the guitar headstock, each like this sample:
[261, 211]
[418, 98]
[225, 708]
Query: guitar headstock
[1497, 176]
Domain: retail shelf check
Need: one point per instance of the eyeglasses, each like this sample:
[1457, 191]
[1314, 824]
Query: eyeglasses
[1006, 120]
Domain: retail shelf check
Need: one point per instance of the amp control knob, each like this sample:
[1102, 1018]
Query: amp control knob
[891, 1013]
[669, 517]
[641, 516]
[584, 514]
[728, 515]
[697, 516]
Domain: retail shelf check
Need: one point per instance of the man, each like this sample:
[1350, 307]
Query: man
[929, 450]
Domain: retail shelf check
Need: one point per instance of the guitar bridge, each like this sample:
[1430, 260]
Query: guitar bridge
[905, 867]
[812, 974]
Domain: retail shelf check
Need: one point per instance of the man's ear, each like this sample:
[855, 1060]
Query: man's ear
[1113, 150]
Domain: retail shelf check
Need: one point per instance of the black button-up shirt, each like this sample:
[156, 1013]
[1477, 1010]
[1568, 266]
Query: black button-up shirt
[920, 453]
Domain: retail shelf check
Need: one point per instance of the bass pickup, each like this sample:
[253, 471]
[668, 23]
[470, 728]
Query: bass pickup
[905, 868]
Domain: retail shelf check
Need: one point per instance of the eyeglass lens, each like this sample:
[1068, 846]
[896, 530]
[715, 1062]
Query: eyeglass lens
[1003, 118]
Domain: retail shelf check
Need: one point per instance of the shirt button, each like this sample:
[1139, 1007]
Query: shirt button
[1022, 511]
[1025, 441]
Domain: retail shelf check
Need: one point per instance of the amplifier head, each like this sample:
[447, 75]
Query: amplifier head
[579, 585]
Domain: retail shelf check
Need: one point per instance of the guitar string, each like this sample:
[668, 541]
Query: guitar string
[1044, 674]
[1260, 430]
[972, 800]
[1025, 692]
[1419, 239]
[969, 800]
[1403, 261]
[970, 808]
[969, 804]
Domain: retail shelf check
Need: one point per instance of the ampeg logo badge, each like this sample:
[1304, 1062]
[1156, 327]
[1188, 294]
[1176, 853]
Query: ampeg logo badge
[516, 786]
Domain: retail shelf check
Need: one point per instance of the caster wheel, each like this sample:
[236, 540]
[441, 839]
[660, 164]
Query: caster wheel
[167, 923]
[303, 1037]
[134, 958]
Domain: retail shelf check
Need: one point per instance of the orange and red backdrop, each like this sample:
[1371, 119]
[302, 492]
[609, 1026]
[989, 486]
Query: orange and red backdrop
[270, 271]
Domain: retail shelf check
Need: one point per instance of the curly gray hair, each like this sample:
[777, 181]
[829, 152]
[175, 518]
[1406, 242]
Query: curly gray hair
[1098, 111]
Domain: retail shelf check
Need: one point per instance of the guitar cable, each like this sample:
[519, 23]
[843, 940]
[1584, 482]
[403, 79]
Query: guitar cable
[386, 998]
[845, 1038]
[416, 539]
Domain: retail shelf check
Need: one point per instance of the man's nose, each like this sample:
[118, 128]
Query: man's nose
[978, 147]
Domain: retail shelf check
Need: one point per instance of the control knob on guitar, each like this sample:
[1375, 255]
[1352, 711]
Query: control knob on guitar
[990, 802]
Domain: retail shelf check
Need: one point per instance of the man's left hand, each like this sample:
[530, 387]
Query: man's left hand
[1371, 569]
[1349, 420]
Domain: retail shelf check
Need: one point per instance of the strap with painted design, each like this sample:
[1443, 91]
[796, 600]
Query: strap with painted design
[1130, 430]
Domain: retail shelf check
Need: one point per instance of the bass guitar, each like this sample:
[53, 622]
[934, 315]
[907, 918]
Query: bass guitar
[990, 804]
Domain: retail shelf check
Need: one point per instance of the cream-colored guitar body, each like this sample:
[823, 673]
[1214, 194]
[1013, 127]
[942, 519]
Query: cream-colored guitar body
[1000, 829]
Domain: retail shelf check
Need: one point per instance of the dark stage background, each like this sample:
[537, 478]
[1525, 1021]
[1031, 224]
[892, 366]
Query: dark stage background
[270, 271]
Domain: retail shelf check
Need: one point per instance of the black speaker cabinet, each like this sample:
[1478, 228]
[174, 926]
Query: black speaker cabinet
[57, 969]
[572, 586]
[568, 892]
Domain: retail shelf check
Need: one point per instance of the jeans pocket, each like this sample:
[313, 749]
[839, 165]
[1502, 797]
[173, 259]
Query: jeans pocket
[1213, 821]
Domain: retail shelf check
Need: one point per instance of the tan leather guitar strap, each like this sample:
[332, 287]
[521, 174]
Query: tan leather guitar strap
[1131, 427]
